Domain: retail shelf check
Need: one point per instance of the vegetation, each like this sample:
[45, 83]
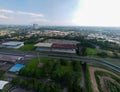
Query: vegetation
[102, 54]
[50, 75]
[113, 87]
[37, 85]
[88, 81]
[1, 74]
[91, 51]
[27, 47]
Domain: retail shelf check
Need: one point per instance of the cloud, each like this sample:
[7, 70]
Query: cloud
[30, 14]
[41, 20]
[3, 17]
[6, 11]
[20, 17]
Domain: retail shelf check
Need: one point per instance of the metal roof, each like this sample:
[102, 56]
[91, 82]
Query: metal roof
[2, 84]
[64, 46]
[43, 45]
[13, 43]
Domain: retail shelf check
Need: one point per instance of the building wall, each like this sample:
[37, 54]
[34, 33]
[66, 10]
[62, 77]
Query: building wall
[64, 50]
[43, 49]
[56, 50]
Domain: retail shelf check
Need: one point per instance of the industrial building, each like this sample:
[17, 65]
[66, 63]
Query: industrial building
[56, 45]
[13, 44]
[17, 68]
[2, 84]
[43, 46]
[61, 41]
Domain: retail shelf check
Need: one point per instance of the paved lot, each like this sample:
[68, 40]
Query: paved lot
[5, 66]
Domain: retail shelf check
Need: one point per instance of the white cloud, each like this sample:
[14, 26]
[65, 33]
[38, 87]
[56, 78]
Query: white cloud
[41, 20]
[30, 14]
[6, 11]
[98, 13]
[3, 17]
[16, 17]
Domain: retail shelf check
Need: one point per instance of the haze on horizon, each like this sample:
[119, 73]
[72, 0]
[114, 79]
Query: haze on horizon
[61, 12]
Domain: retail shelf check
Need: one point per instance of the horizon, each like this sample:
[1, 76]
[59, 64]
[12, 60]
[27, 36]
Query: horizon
[102, 13]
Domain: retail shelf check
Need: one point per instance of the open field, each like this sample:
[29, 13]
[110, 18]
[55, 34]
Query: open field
[27, 47]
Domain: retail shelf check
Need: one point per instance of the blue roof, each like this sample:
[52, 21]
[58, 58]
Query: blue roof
[16, 68]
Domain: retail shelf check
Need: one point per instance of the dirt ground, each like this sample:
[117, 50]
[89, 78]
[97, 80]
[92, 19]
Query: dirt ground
[5, 66]
[93, 79]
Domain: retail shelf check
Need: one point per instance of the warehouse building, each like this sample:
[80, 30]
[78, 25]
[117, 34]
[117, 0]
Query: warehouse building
[56, 45]
[66, 48]
[13, 44]
[43, 46]
[2, 84]
[61, 41]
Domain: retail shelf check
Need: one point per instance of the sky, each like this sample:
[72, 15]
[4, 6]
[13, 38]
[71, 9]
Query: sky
[61, 12]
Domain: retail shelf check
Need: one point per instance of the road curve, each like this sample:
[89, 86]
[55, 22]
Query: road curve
[63, 56]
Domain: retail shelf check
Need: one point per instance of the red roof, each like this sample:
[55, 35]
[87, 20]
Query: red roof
[64, 46]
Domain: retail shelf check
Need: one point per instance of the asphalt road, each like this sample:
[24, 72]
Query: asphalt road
[62, 56]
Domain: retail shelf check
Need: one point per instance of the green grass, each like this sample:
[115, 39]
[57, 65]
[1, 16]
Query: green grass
[88, 81]
[1, 74]
[91, 51]
[27, 47]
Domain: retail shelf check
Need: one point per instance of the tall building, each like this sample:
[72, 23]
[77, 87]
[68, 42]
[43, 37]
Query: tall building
[35, 26]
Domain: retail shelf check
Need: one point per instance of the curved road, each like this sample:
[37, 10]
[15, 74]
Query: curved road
[56, 55]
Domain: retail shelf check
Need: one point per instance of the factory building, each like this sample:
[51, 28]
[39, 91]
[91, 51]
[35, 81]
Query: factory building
[56, 45]
[13, 44]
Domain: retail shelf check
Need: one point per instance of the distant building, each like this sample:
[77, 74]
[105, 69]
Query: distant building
[12, 44]
[66, 48]
[35, 26]
[56, 45]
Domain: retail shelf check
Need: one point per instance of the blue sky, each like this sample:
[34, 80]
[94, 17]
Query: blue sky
[57, 12]
[61, 12]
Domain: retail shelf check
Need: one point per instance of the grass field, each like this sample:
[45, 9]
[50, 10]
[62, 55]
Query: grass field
[91, 51]
[27, 47]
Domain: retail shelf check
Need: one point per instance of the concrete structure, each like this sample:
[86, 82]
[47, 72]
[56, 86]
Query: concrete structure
[43, 46]
[2, 84]
[57, 45]
[12, 44]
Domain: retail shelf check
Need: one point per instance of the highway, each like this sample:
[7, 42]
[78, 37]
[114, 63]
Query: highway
[62, 56]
